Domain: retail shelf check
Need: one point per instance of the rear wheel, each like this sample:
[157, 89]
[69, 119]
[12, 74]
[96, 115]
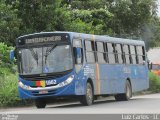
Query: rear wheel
[87, 99]
[127, 95]
[40, 103]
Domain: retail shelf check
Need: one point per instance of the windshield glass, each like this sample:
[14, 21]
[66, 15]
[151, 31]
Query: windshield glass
[55, 58]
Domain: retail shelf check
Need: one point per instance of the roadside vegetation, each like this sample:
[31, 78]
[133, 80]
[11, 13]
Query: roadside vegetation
[8, 79]
[120, 18]
[154, 83]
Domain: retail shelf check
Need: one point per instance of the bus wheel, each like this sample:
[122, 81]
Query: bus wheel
[88, 98]
[127, 95]
[40, 103]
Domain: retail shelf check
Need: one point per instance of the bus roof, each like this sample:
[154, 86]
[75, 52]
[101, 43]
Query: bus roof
[102, 38]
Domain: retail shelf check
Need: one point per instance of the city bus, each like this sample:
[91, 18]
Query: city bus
[84, 66]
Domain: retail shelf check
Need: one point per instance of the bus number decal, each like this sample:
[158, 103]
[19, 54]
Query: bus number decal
[51, 82]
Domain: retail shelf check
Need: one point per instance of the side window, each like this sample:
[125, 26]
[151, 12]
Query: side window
[133, 54]
[140, 54]
[137, 61]
[144, 54]
[100, 52]
[88, 46]
[111, 56]
[78, 51]
[130, 56]
[126, 51]
[90, 51]
[119, 53]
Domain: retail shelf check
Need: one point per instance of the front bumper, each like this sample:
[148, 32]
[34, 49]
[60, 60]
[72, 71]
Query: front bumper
[44, 92]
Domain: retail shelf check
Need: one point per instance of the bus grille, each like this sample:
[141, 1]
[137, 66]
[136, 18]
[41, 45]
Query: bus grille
[50, 92]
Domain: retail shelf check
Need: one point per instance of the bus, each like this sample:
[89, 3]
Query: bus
[69, 64]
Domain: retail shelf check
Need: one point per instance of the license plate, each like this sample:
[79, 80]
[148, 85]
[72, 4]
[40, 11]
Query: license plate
[43, 92]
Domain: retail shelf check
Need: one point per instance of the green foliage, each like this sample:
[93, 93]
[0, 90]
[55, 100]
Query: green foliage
[154, 82]
[121, 18]
[6, 65]
[9, 91]
[4, 55]
[130, 16]
[80, 26]
[8, 79]
[9, 24]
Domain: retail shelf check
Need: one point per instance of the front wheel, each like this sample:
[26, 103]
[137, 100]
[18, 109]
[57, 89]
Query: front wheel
[40, 103]
[88, 98]
[127, 95]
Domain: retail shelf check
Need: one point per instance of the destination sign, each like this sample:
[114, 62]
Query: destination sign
[43, 39]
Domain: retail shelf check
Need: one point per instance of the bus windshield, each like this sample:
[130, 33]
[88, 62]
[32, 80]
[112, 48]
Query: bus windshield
[50, 59]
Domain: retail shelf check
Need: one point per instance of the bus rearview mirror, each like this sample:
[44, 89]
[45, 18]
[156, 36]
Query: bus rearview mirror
[78, 52]
[78, 55]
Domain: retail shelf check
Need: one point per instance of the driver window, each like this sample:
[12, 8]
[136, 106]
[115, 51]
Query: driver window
[78, 53]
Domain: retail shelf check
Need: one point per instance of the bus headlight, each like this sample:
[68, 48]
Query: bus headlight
[23, 86]
[68, 81]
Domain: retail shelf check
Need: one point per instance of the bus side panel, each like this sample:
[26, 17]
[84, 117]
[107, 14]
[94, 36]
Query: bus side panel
[91, 72]
[141, 82]
[112, 79]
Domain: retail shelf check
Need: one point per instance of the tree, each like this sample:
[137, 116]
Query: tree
[130, 16]
[9, 24]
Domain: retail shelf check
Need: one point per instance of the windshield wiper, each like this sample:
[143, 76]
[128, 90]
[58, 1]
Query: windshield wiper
[35, 55]
[48, 51]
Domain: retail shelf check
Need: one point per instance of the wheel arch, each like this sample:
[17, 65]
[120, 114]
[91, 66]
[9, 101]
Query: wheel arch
[89, 80]
[129, 80]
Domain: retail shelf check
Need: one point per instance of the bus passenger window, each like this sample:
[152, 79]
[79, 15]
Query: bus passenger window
[137, 61]
[111, 56]
[115, 53]
[130, 56]
[126, 51]
[133, 54]
[100, 52]
[144, 58]
[140, 54]
[119, 53]
[106, 52]
[90, 52]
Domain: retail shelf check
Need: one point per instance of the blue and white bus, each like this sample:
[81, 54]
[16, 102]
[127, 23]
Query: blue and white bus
[56, 64]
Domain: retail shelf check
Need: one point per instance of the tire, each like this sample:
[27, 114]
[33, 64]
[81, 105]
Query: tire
[127, 95]
[88, 98]
[40, 103]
